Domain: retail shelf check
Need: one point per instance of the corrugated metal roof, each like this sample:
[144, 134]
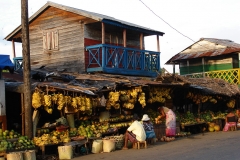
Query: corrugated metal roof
[228, 48]
[92, 15]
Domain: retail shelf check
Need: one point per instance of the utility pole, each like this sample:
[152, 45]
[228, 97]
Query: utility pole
[26, 70]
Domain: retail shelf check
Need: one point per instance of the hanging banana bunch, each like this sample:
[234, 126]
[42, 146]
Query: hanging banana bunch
[83, 104]
[47, 100]
[54, 98]
[74, 102]
[116, 106]
[60, 101]
[88, 102]
[159, 94]
[141, 99]
[36, 99]
[231, 103]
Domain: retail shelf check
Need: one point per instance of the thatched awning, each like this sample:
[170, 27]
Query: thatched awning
[205, 85]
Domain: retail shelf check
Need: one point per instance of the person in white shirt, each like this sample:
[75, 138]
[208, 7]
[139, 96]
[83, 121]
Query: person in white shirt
[135, 132]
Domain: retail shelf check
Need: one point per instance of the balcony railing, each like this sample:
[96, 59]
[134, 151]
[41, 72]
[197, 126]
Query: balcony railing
[122, 60]
[232, 75]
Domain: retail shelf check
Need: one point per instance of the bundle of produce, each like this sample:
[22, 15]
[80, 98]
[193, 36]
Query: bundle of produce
[159, 94]
[199, 98]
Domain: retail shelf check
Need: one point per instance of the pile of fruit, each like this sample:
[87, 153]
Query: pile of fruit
[53, 137]
[8, 134]
[213, 127]
[23, 142]
[167, 139]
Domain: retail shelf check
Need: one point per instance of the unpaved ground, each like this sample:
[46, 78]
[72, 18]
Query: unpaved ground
[210, 146]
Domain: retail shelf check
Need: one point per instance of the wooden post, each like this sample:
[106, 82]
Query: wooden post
[124, 38]
[27, 68]
[141, 41]
[23, 114]
[203, 65]
[158, 44]
[13, 49]
[103, 33]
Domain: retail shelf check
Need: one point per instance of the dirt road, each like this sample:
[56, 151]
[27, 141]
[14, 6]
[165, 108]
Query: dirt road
[211, 145]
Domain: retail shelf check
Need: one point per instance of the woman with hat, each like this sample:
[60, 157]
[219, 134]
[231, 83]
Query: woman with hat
[148, 127]
[170, 117]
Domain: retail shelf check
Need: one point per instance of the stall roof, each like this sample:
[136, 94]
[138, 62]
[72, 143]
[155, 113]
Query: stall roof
[206, 85]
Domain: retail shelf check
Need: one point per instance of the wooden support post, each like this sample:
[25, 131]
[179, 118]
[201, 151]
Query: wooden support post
[203, 65]
[103, 33]
[124, 38]
[27, 68]
[158, 44]
[23, 114]
[13, 49]
[141, 41]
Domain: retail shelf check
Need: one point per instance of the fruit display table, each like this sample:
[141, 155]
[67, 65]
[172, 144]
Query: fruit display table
[195, 128]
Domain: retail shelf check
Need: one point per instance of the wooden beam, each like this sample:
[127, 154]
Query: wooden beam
[103, 33]
[23, 114]
[141, 41]
[13, 49]
[158, 44]
[124, 38]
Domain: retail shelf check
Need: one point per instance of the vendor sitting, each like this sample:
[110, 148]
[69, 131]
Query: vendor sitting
[231, 120]
[135, 132]
[148, 127]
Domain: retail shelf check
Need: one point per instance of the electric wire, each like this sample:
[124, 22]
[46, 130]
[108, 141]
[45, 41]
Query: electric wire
[171, 25]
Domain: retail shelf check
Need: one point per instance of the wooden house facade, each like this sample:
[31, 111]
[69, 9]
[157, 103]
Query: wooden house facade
[209, 57]
[74, 40]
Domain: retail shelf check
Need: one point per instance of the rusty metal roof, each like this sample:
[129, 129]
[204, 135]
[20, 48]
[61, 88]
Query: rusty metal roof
[228, 47]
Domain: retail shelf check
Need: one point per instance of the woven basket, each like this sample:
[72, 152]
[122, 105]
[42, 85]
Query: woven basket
[119, 140]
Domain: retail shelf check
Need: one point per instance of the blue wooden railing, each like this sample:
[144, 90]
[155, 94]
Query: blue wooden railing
[121, 60]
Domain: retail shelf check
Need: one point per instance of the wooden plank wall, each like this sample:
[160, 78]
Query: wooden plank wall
[70, 55]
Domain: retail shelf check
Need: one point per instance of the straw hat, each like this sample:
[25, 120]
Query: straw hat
[145, 117]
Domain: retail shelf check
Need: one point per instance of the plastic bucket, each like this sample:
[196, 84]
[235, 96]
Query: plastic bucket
[65, 152]
[108, 145]
[97, 146]
[29, 155]
[15, 156]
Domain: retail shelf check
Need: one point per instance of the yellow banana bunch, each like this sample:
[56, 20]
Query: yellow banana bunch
[141, 99]
[54, 98]
[60, 101]
[47, 100]
[36, 100]
[231, 103]
[74, 102]
[116, 106]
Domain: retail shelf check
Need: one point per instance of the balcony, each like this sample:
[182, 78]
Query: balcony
[232, 75]
[121, 60]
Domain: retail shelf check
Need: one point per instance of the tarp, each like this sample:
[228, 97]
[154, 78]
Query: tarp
[5, 62]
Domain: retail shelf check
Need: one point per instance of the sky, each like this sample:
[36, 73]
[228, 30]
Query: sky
[183, 21]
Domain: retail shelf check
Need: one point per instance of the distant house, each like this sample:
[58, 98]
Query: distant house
[74, 40]
[216, 58]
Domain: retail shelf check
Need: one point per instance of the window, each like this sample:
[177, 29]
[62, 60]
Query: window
[50, 40]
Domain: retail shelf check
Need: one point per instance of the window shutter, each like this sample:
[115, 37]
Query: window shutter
[52, 40]
[49, 40]
[44, 41]
[56, 39]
